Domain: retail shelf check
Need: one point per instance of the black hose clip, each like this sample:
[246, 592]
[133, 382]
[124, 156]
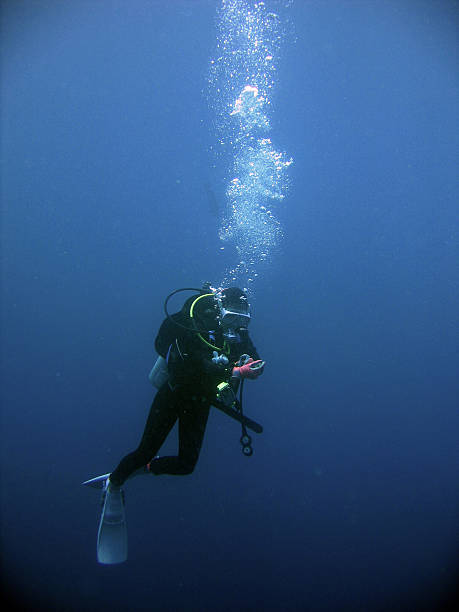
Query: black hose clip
[245, 439]
[246, 443]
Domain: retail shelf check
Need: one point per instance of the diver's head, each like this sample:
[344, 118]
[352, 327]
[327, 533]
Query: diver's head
[234, 313]
[205, 312]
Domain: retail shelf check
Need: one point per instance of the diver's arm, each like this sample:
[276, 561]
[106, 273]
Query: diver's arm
[167, 334]
[212, 367]
[199, 365]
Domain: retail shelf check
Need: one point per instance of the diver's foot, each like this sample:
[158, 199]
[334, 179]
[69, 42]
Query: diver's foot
[113, 501]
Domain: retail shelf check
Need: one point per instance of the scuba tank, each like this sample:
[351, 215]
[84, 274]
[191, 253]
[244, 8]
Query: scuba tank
[159, 374]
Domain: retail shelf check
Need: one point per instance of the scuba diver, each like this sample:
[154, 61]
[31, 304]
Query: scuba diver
[205, 355]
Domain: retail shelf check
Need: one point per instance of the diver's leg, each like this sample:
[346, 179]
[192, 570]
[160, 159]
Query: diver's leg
[193, 417]
[160, 421]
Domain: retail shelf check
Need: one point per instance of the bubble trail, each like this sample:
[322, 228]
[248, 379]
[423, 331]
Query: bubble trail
[241, 81]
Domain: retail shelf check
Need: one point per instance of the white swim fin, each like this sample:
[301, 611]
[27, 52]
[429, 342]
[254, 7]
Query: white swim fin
[112, 541]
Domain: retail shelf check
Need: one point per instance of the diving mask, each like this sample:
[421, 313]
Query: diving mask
[232, 323]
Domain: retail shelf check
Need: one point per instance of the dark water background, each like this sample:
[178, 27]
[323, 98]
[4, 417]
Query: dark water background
[350, 501]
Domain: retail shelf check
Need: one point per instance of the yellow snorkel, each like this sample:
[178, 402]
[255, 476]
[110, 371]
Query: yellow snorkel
[224, 349]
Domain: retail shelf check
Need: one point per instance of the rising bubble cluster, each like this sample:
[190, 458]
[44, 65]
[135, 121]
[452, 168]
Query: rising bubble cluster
[242, 78]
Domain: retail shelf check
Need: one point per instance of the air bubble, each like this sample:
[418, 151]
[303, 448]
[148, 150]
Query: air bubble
[249, 43]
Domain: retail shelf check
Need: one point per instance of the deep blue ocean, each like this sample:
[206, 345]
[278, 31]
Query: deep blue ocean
[112, 196]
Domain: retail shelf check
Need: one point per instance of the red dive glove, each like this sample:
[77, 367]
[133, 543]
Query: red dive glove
[251, 369]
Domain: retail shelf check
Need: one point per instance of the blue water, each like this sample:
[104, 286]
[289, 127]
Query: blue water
[350, 501]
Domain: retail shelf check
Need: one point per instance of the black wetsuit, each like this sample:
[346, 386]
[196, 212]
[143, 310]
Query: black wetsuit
[187, 396]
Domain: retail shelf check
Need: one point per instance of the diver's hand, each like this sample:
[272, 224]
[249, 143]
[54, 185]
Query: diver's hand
[251, 369]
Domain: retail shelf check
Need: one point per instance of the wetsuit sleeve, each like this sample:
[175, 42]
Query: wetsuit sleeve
[213, 370]
[163, 341]
[201, 367]
[167, 334]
